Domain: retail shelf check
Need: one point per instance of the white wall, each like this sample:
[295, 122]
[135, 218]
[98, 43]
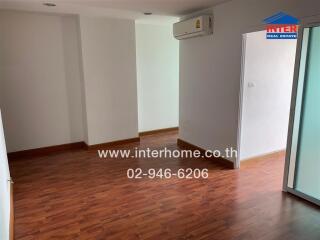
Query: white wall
[4, 188]
[210, 69]
[66, 79]
[267, 84]
[109, 66]
[39, 80]
[157, 77]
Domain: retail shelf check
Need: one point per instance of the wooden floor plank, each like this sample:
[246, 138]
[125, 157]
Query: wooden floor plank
[76, 195]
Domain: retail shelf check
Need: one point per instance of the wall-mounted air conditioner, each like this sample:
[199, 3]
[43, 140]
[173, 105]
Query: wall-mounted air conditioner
[199, 26]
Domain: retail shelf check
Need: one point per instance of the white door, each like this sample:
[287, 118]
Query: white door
[4, 188]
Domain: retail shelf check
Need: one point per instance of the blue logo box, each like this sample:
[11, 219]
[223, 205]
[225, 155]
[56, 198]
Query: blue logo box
[282, 35]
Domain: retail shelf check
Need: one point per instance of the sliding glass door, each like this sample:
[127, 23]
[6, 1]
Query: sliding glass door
[302, 175]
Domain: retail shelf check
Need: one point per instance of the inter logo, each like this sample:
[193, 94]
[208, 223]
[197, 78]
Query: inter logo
[281, 26]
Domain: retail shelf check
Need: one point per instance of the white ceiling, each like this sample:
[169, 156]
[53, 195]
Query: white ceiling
[160, 7]
[163, 10]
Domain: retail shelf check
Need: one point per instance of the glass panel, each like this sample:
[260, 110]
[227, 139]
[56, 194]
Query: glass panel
[307, 176]
[295, 133]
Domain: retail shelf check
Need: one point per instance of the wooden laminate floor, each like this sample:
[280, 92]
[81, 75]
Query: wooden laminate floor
[76, 195]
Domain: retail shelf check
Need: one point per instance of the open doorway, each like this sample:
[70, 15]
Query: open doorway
[267, 77]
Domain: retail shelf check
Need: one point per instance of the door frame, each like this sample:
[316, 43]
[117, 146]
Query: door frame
[293, 109]
[237, 162]
[293, 112]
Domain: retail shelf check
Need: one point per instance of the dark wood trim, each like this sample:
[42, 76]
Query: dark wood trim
[163, 130]
[11, 234]
[64, 147]
[113, 144]
[45, 150]
[189, 146]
